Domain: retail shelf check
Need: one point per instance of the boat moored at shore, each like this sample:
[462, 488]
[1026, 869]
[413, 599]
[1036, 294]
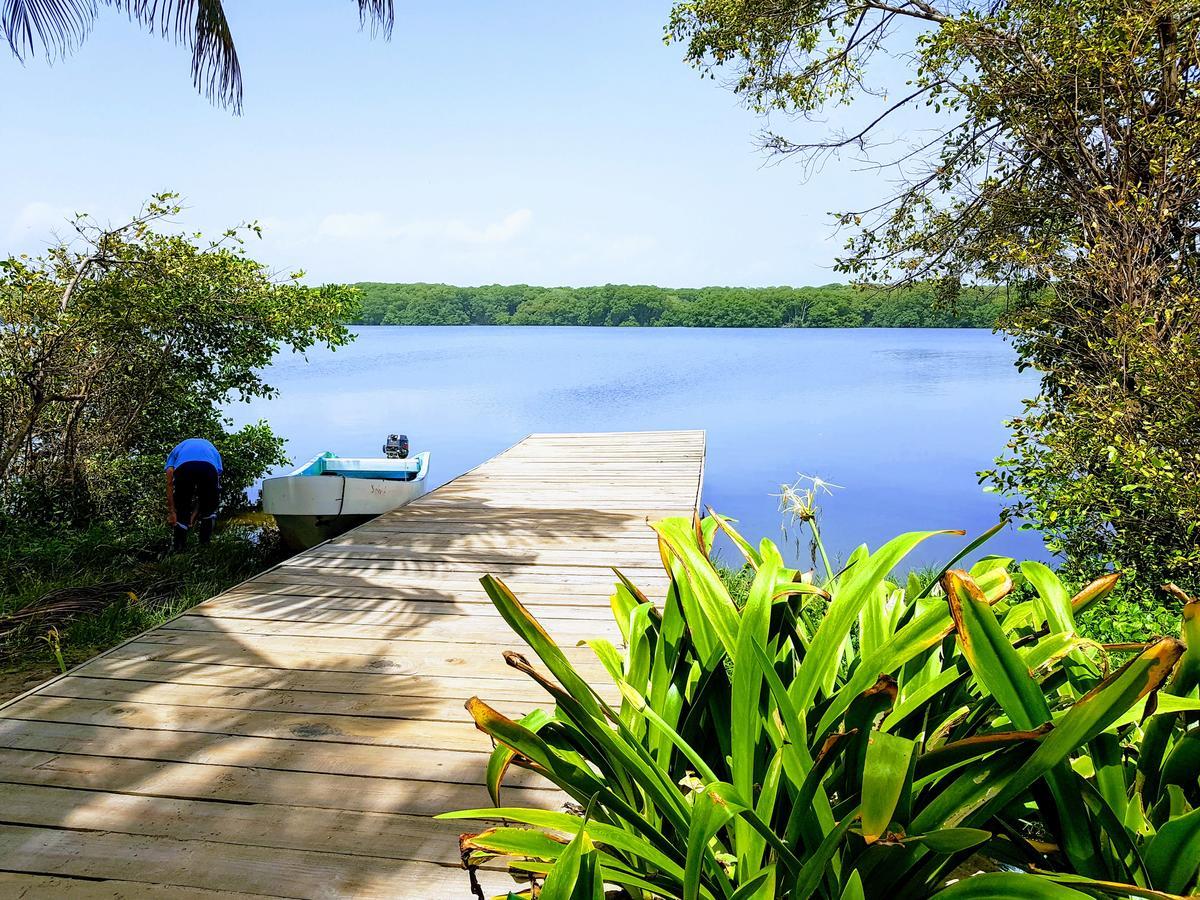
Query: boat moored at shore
[331, 494]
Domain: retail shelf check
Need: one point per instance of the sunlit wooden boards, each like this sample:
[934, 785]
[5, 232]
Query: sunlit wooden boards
[294, 736]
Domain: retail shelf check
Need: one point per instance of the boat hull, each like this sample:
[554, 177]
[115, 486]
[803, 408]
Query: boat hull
[314, 508]
[301, 532]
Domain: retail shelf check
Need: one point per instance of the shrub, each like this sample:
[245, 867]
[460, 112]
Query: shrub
[755, 754]
[118, 346]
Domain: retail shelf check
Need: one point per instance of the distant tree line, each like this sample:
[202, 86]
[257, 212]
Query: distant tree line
[829, 306]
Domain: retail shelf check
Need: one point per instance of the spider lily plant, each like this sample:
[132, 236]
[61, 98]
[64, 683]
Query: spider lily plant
[853, 738]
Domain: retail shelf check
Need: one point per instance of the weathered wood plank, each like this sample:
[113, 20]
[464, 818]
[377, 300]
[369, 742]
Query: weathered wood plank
[417, 733]
[375, 684]
[224, 867]
[293, 736]
[169, 693]
[369, 611]
[477, 556]
[459, 629]
[368, 761]
[264, 825]
[243, 784]
[445, 657]
[230, 653]
[441, 570]
[32, 886]
[458, 591]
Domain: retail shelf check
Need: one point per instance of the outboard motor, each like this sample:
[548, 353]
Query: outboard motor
[396, 446]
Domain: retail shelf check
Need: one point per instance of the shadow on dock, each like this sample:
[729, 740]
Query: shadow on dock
[294, 735]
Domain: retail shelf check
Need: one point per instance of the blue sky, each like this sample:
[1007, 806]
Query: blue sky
[531, 141]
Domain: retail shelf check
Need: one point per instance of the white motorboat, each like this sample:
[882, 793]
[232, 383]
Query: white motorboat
[331, 494]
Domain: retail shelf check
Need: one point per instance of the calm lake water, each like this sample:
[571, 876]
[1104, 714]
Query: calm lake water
[900, 418]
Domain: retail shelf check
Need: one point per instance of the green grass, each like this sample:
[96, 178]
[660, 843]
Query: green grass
[129, 580]
[737, 581]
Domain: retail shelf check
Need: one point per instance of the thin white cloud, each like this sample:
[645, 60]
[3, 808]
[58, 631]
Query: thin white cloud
[370, 246]
[374, 226]
[37, 220]
[601, 253]
[353, 226]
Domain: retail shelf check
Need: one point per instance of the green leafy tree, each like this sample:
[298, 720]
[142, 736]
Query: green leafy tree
[56, 27]
[1065, 164]
[830, 306]
[115, 347]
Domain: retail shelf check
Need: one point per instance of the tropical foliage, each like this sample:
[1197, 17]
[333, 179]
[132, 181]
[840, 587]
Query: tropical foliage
[1061, 157]
[118, 345]
[851, 737]
[56, 27]
[830, 306]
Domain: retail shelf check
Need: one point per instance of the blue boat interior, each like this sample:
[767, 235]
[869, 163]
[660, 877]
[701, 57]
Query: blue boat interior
[392, 469]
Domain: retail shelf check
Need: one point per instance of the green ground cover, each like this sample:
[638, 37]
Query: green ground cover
[68, 595]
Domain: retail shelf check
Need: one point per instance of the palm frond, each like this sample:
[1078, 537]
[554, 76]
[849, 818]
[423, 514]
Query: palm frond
[54, 27]
[377, 15]
[58, 26]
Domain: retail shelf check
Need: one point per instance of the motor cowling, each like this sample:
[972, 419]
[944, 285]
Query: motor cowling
[396, 446]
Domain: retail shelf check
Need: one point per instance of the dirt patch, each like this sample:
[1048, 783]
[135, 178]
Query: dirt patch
[16, 682]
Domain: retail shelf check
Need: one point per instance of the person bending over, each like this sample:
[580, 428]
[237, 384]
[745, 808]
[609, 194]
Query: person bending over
[193, 487]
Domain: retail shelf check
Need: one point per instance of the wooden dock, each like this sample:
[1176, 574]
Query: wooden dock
[293, 736]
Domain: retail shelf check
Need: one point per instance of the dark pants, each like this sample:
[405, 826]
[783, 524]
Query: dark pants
[197, 488]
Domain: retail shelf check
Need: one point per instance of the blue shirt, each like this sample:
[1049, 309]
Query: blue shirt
[193, 450]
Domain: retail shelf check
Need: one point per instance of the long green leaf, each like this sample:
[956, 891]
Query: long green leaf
[1089, 716]
[1114, 829]
[1009, 886]
[508, 840]
[610, 658]
[502, 755]
[609, 835]
[1158, 731]
[638, 702]
[922, 633]
[760, 887]
[610, 873]
[854, 887]
[951, 755]
[715, 608]
[999, 669]
[917, 699]
[711, 811]
[530, 630]
[1173, 855]
[958, 557]
[1108, 888]
[855, 587]
[745, 716]
[627, 755]
[950, 840]
[561, 879]
[1094, 592]
[815, 866]
[1183, 762]
[530, 745]
[726, 525]
[1055, 604]
[811, 812]
[884, 778]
